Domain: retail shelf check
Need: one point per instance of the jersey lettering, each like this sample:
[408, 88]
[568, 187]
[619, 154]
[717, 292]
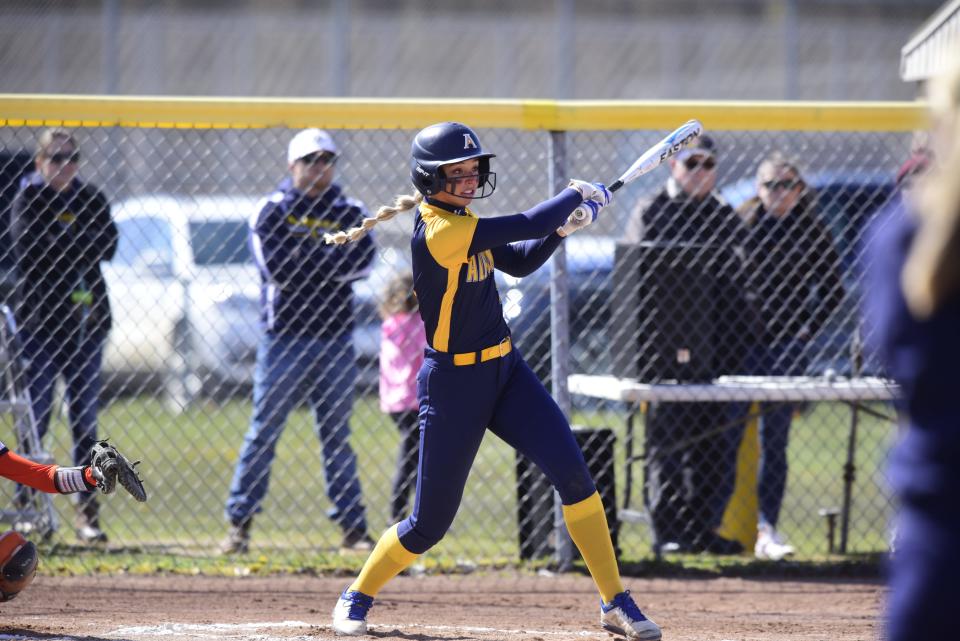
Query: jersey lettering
[479, 267]
[308, 226]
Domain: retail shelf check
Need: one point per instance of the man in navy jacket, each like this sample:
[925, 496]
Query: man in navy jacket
[305, 350]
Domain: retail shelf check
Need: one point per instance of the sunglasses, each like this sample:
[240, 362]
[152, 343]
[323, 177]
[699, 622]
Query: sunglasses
[61, 158]
[698, 162]
[785, 185]
[318, 158]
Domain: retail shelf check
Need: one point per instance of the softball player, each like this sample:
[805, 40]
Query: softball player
[912, 307]
[18, 557]
[473, 378]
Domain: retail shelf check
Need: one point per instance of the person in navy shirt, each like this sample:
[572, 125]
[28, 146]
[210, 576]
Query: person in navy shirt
[473, 378]
[306, 349]
[912, 318]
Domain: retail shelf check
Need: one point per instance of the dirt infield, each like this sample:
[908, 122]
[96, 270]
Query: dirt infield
[481, 607]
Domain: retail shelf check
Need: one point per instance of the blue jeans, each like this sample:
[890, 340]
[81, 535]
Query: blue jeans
[289, 369]
[785, 358]
[78, 360]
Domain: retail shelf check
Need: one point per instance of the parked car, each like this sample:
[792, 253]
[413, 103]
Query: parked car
[185, 296]
[526, 306]
[847, 201]
[184, 293]
[366, 300]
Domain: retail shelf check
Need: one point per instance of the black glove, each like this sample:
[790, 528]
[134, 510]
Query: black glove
[109, 466]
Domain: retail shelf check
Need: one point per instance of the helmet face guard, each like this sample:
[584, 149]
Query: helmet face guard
[448, 143]
[486, 180]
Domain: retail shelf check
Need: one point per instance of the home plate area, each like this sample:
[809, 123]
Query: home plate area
[484, 607]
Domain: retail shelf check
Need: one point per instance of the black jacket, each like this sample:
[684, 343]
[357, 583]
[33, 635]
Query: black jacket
[59, 240]
[672, 216]
[793, 271]
[709, 233]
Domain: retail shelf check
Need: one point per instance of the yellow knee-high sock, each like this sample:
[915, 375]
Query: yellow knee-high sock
[587, 524]
[388, 559]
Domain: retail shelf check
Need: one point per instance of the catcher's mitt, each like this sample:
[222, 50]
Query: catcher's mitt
[110, 466]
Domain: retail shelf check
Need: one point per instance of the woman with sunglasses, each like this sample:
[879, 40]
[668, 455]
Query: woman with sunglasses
[473, 378]
[62, 230]
[794, 275]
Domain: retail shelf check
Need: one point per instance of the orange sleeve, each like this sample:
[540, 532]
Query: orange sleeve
[21, 470]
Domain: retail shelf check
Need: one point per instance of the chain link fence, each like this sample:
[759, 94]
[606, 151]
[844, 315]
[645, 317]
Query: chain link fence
[185, 295]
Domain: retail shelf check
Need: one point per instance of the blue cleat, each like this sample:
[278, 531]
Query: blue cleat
[622, 616]
[350, 613]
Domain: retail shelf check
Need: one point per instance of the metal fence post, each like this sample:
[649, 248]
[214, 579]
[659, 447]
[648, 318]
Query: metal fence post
[560, 339]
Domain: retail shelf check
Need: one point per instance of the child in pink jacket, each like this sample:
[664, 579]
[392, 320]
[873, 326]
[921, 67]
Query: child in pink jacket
[402, 340]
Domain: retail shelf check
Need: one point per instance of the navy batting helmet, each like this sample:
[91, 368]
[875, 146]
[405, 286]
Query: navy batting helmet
[446, 143]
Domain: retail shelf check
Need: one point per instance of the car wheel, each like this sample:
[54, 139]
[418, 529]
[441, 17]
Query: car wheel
[182, 384]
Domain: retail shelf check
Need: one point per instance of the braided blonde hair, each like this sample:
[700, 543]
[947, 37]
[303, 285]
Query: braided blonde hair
[386, 212]
[932, 271]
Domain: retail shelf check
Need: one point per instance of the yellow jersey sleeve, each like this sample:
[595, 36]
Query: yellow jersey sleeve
[448, 236]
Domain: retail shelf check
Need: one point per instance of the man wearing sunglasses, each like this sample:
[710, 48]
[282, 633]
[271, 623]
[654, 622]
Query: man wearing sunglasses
[686, 442]
[686, 209]
[62, 230]
[306, 350]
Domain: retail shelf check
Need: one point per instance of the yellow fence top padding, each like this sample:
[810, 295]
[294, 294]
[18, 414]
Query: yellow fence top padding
[554, 115]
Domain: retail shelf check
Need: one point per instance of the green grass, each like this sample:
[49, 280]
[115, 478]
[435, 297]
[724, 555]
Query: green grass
[188, 462]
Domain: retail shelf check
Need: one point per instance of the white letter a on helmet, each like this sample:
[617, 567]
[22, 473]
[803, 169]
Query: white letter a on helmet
[468, 142]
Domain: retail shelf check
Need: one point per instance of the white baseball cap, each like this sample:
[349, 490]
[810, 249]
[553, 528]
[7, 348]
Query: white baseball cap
[310, 141]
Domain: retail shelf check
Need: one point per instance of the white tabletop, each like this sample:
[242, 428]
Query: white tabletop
[737, 388]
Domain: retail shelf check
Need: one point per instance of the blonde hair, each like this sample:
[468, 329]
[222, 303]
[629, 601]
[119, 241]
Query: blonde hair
[398, 296]
[48, 136]
[386, 212]
[931, 273]
[778, 161]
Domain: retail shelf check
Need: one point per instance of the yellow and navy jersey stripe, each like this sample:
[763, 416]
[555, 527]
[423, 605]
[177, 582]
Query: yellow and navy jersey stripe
[456, 290]
[454, 256]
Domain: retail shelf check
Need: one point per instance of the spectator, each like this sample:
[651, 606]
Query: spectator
[912, 312]
[685, 441]
[62, 230]
[402, 339]
[794, 277]
[306, 348]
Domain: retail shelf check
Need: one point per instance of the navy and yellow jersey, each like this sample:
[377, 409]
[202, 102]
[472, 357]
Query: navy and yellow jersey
[454, 254]
[306, 285]
[922, 356]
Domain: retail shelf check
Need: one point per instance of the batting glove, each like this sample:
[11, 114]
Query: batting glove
[592, 191]
[582, 217]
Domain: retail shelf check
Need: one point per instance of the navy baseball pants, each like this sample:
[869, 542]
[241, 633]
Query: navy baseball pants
[457, 404]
